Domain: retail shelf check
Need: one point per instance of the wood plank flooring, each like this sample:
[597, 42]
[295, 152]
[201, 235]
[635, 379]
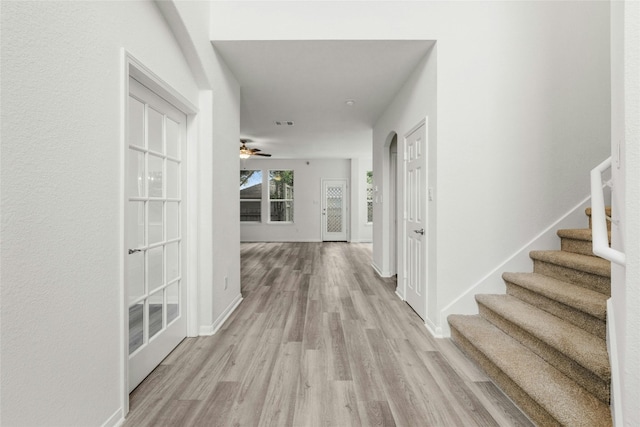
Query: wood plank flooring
[319, 340]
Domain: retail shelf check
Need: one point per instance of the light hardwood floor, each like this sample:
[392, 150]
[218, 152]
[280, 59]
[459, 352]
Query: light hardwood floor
[319, 339]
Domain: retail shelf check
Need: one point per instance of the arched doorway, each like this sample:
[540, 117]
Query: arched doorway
[393, 205]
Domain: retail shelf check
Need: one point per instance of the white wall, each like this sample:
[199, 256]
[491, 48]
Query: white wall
[219, 123]
[522, 112]
[402, 115]
[61, 201]
[307, 199]
[625, 233]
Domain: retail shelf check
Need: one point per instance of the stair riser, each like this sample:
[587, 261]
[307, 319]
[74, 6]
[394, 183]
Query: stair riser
[582, 247]
[583, 320]
[529, 406]
[590, 281]
[587, 379]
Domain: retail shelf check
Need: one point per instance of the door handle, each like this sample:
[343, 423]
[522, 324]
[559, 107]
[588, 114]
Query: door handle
[133, 251]
[421, 231]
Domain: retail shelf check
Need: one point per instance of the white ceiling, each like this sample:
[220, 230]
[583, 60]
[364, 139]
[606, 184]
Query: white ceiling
[309, 83]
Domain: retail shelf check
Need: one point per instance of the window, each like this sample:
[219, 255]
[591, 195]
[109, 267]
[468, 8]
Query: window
[251, 195]
[369, 196]
[281, 196]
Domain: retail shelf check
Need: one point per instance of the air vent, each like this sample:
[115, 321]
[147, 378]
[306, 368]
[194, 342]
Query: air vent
[284, 122]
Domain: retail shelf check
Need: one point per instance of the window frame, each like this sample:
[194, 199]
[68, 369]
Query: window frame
[283, 200]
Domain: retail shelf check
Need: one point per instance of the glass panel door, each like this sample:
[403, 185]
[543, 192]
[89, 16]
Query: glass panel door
[154, 230]
[334, 210]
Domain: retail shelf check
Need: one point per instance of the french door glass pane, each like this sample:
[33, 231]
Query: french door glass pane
[173, 264]
[136, 326]
[135, 275]
[136, 122]
[135, 186]
[173, 179]
[172, 138]
[155, 176]
[173, 302]
[155, 313]
[173, 219]
[155, 222]
[155, 272]
[154, 120]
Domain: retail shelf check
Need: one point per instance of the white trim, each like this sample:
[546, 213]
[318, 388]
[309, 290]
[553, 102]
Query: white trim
[398, 294]
[123, 311]
[380, 272]
[433, 329]
[115, 420]
[282, 241]
[612, 347]
[209, 330]
[192, 249]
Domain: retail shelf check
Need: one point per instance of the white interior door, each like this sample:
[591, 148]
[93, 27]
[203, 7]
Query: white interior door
[334, 210]
[416, 220]
[154, 230]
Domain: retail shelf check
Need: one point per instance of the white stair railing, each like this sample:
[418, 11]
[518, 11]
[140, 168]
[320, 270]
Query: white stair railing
[600, 236]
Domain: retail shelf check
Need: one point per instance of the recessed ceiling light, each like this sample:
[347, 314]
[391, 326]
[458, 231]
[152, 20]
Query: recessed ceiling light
[350, 102]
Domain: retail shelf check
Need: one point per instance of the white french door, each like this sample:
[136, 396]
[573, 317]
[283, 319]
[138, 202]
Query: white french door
[154, 229]
[416, 220]
[334, 210]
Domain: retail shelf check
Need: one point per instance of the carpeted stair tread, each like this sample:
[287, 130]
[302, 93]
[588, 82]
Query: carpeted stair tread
[585, 263]
[568, 403]
[578, 241]
[578, 234]
[580, 298]
[586, 349]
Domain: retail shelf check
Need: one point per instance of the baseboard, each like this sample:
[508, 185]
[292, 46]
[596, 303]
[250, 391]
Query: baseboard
[115, 420]
[379, 272]
[612, 347]
[433, 329]
[281, 241]
[209, 330]
[399, 295]
[492, 282]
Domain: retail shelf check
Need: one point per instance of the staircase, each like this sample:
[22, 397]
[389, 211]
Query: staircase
[544, 342]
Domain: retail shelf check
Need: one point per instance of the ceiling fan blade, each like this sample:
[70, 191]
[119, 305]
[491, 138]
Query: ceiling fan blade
[255, 150]
[263, 155]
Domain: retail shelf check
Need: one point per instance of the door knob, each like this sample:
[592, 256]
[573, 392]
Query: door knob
[133, 251]
[421, 231]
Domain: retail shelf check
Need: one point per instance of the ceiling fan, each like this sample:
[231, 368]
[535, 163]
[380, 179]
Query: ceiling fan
[245, 152]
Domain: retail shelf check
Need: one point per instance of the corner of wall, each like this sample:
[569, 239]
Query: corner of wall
[208, 330]
[115, 420]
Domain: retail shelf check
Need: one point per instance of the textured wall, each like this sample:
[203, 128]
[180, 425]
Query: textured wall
[61, 201]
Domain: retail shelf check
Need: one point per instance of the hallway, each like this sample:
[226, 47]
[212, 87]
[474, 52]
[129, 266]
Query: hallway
[319, 339]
